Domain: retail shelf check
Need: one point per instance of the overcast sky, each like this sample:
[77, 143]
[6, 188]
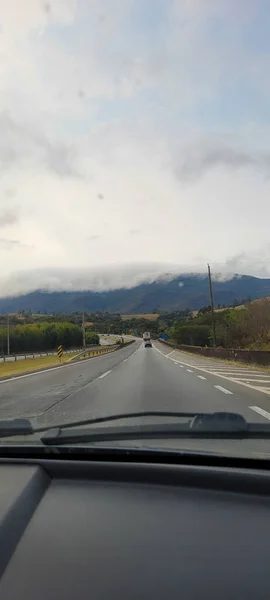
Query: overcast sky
[133, 131]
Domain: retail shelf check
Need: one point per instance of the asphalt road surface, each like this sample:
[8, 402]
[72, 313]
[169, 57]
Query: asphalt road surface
[136, 379]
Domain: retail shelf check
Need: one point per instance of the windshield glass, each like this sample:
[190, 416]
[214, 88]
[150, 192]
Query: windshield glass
[134, 216]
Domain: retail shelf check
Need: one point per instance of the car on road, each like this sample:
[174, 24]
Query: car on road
[148, 344]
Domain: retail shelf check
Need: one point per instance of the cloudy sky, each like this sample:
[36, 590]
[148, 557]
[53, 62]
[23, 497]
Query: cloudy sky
[133, 135]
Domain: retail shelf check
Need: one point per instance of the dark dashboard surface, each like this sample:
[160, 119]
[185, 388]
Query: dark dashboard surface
[101, 531]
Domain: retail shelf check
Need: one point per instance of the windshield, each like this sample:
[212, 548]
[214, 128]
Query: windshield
[134, 216]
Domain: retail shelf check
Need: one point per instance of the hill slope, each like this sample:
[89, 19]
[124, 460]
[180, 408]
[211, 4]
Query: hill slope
[187, 291]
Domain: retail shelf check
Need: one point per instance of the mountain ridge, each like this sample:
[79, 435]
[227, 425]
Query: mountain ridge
[181, 292]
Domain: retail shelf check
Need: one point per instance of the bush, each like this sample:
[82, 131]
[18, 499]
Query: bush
[91, 338]
[192, 334]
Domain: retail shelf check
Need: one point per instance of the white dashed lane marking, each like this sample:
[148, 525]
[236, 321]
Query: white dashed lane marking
[201, 377]
[189, 371]
[105, 374]
[222, 389]
[261, 412]
[250, 378]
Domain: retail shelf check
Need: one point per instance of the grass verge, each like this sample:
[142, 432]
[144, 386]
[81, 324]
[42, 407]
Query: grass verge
[236, 363]
[32, 364]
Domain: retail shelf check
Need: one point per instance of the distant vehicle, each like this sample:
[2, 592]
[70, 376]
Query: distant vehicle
[146, 335]
[148, 344]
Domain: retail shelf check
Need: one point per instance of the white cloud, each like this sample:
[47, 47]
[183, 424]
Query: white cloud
[8, 217]
[100, 279]
[117, 143]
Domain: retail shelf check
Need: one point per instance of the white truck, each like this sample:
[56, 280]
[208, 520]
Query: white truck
[147, 339]
[146, 336]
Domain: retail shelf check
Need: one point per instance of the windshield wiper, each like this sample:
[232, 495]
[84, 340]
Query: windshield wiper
[12, 427]
[194, 425]
[206, 425]
[118, 416]
[21, 426]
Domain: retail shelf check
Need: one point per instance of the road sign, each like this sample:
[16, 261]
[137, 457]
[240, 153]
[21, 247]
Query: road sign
[164, 336]
[60, 351]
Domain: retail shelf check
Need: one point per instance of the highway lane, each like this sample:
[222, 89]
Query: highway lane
[36, 396]
[132, 379]
[248, 388]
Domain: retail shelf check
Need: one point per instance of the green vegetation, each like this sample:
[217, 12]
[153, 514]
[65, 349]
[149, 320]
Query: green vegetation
[32, 364]
[40, 337]
[246, 327]
[91, 338]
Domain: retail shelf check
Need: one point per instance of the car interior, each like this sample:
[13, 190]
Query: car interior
[128, 524]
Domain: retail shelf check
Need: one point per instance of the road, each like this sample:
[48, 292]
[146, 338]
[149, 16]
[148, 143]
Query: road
[136, 378]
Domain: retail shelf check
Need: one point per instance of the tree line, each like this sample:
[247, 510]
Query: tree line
[40, 337]
[247, 327]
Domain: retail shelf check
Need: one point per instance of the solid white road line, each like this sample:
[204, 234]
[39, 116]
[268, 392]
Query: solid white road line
[222, 389]
[167, 354]
[201, 377]
[66, 366]
[105, 374]
[261, 412]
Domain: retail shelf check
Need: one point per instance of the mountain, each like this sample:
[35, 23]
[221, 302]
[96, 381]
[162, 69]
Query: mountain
[179, 293]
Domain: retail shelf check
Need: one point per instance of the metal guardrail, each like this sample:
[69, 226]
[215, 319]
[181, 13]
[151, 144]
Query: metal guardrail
[89, 353]
[258, 357]
[24, 356]
[99, 350]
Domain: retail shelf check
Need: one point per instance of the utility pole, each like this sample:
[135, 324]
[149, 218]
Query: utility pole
[8, 344]
[212, 306]
[83, 329]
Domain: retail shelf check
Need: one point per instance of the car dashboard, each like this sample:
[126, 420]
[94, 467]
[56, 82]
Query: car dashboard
[131, 530]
